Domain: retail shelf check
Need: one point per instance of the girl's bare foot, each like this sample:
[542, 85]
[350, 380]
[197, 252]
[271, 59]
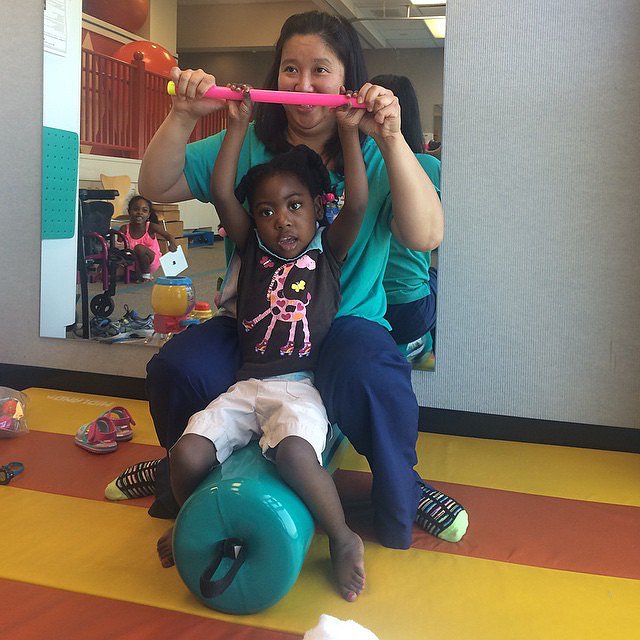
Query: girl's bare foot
[165, 548]
[347, 557]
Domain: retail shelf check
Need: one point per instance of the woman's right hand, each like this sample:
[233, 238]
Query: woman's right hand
[191, 86]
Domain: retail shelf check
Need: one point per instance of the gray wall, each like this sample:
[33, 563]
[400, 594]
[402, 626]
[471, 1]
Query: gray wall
[539, 304]
[540, 267]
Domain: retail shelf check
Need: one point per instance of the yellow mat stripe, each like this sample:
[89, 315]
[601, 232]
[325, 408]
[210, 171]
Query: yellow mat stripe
[562, 472]
[64, 411]
[107, 550]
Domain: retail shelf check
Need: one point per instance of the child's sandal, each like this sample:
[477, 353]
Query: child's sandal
[98, 436]
[122, 421]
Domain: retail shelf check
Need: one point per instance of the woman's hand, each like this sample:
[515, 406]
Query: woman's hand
[382, 117]
[172, 245]
[348, 117]
[191, 86]
[240, 111]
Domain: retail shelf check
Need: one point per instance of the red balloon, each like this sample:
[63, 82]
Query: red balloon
[126, 14]
[156, 58]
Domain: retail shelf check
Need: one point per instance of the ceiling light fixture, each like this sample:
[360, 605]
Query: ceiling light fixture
[437, 26]
[432, 3]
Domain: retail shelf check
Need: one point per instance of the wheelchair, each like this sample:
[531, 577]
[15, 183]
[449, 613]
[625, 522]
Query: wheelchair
[102, 247]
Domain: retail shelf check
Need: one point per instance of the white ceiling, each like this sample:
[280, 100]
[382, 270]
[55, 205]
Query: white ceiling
[382, 24]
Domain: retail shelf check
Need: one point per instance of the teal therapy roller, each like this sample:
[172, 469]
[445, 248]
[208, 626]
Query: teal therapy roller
[240, 539]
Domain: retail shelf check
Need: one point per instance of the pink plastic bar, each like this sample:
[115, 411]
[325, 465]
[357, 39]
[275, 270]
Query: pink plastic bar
[279, 97]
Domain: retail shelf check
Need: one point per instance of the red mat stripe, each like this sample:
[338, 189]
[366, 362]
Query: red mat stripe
[77, 616]
[54, 464]
[541, 531]
[527, 529]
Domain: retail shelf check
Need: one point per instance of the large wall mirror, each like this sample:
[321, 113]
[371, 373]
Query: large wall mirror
[233, 41]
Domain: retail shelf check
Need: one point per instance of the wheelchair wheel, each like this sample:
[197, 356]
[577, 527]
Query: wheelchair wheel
[102, 305]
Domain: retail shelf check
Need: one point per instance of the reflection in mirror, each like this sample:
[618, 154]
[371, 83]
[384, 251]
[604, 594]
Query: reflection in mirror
[118, 117]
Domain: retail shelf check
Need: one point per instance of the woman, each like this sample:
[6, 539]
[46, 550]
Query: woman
[364, 381]
[409, 281]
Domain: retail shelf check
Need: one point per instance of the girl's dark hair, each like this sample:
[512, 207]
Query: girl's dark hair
[300, 161]
[153, 216]
[411, 126]
[341, 37]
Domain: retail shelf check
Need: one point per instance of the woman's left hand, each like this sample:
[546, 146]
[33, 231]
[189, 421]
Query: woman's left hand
[382, 118]
[172, 245]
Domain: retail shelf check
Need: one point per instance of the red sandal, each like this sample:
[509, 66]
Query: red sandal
[122, 421]
[98, 436]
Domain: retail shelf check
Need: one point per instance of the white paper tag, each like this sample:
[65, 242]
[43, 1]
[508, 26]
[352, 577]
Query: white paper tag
[173, 263]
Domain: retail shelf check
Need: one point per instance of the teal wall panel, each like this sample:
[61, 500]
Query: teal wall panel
[60, 153]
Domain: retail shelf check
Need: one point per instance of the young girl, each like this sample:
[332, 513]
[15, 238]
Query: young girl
[141, 232]
[288, 295]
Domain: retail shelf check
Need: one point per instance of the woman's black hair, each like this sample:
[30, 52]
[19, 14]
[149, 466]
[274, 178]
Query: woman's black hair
[300, 161]
[153, 216]
[411, 126]
[341, 37]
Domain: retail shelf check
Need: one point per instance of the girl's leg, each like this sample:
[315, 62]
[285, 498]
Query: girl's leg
[144, 258]
[190, 370]
[298, 465]
[190, 459]
[366, 386]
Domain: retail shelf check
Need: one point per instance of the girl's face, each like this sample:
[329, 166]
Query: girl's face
[285, 214]
[139, 211]
[309, 65]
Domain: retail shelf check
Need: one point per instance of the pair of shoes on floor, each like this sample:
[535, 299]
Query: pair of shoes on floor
[100, 327]
[131, 325]
[103, 434]
[131, 321]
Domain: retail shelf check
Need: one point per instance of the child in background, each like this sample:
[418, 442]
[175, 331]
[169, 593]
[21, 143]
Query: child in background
[141, 232]
[288, 295]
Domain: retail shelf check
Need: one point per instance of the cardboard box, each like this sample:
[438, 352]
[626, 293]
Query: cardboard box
[169, 216]
[182, 242]
[174, 227]
[167, 212]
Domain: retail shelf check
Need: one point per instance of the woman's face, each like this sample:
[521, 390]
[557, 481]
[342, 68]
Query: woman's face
[309, 65]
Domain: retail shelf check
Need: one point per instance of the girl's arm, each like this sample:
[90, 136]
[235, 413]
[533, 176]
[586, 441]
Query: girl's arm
[159, 230]
[344, 229]
[233, 216]
[161, 175]
[418, 222]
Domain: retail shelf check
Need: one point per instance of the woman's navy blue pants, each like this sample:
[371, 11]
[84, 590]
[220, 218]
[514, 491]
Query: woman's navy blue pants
[364, 382]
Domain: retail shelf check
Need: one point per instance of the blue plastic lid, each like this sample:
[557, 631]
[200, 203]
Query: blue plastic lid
[174, 281]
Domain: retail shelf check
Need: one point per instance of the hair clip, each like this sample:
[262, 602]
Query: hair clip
[9, 471]
[326, 198]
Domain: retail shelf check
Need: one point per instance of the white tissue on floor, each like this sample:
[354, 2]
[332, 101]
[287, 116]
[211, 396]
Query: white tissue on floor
[330, 628]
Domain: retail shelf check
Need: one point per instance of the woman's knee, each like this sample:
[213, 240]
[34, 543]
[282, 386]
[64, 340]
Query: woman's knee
[360, 353]
[209, 350]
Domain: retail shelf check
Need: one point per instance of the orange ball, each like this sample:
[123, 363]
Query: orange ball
[126, 14]
[156, 58]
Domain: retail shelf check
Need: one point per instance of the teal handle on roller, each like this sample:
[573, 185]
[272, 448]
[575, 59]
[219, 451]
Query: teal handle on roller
[240, 540]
